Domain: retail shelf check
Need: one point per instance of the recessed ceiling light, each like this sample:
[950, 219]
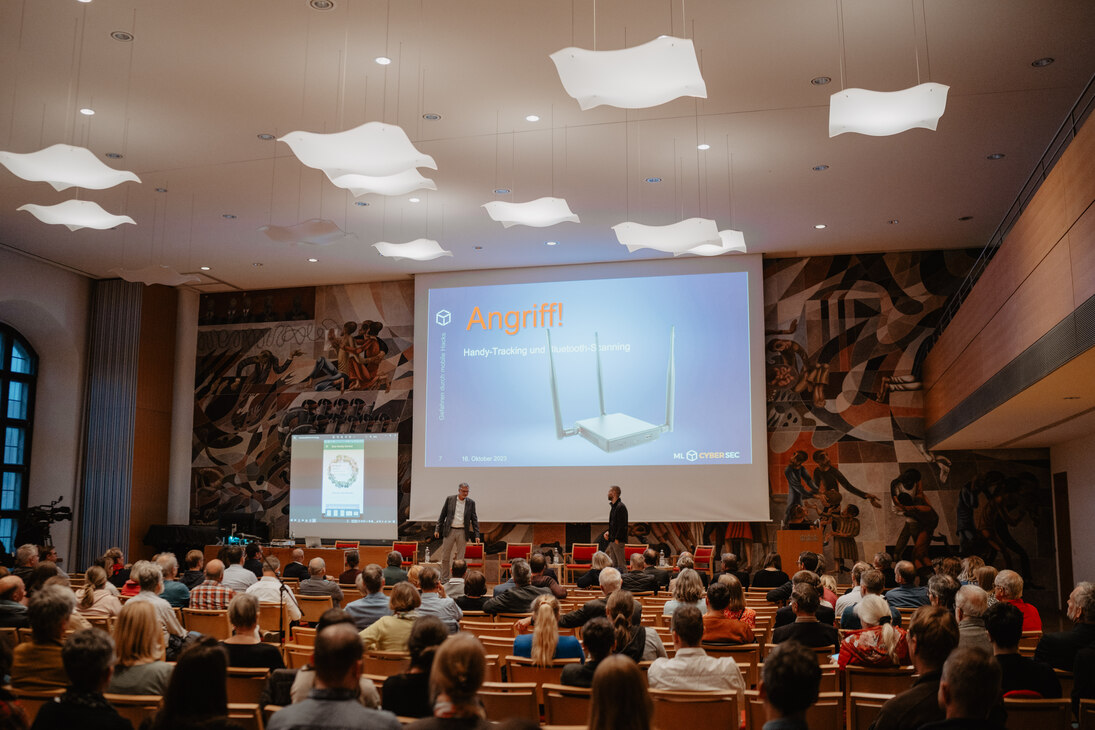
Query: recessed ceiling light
[653, 180]
[87, 112]
[431, 117]
[820, 226]
[122, 35]
[360, 203]
[996, 156]
[313, 261]
[257, 264]
[205, 268]
[229, 216]
[322, 4]
[819, 168]
[532, 118]
[502, 191]
[113, 155]
[1042, 62]
[966, 218]
[704, 146]
[383, 60]
[84, 1]
[161, 190]
[414, 200]
[265, 136]
[820, 80]
[551, 243]
[478, 248]
[893, 221]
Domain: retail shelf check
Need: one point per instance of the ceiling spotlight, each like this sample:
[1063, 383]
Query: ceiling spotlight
[322, 4]
[265, 136]
[313, 261]
[478, 248]
[113, 155]
[819, 168]
[161, 190]
[995, 156]
[122, 35]
[383, 60]
[84, 1]
[551, 243]
[257, 264]
[820, 80]
[205, 268]
[87, 112]
[502, 191]
[1042, 62]
[820, 226]
[431, 117]
[361, 203]
[893, 221]
[653, 180]
[704, 146]
[228, 216]
[532, 118]
[414, 200]
[966, 218]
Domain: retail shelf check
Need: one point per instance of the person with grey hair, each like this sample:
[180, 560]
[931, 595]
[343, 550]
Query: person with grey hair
[942, 589]
[1059, 649]
[174, 592]
[1008, 587]
[969, 691]
[519, 598]
[636, 579]
[610, 582]
[597, 563]
[854, 594]
[970, 604]
[88, 659]
[149, 579]
[26, 560]
[37, 664]
[503, 587]
[456, 525]
[317, 583]
[245, 648]
[806, 629]
[433, 604]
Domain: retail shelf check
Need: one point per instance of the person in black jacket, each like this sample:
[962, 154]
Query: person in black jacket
[88, 657]
[806, 561]
[456, 524]
[1059, 649]
[408, 694]
[1004, 622]
[616, 534]
[807, 629]
[519, 598]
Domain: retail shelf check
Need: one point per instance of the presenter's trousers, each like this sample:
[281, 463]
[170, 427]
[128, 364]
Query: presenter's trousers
[451, 549]
[616, 552]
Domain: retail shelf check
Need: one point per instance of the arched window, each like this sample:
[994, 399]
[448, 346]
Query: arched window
[18, 375]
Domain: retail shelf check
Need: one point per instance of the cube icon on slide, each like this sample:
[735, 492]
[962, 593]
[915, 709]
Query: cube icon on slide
[692, 455]
[444, 317]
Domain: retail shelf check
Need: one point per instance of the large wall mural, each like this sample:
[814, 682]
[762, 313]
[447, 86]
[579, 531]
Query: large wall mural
[844, 339]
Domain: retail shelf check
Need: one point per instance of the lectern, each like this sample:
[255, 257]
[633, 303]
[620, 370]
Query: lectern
[789, 543]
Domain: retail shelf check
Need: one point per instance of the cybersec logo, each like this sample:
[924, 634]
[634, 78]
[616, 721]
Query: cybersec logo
[692, 455]
[443, 317]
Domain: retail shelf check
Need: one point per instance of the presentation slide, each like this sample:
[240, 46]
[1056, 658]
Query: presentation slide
[344, 486]
[572, 378]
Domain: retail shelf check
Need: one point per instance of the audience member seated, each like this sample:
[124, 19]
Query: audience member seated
[244, 647]
[306, 676]
[197, 695]
[317, 583]
[1083, 681]
[807, 562]
[690, 668]
[870, 584]
[194, 575]
[636, 641]
[685, 560]
[687, 591]
[93, 599]
[393, 570]
[455, 678]
[970, 604]
[389, 633]
[884, 563]
[966, 577]
[807, 629]
[878, 643]
[540, 577]
[598, 638]
[1058, 650]
[789, 682]
[636, 579]
[771, 575]
[26, 560]
[150, 579]
[212, 595]
[599, 562]
[88, 658]
[736, 609]
[907, 594]
[853, 594]
[722, 624]
[236, 577]
[296, 569]
[333, 702]
[932, 636]
[252, 558]
[610, 581]
[650, 558]
[454, 586]
[373, 602]
[544, 644]
[37, 664]
[141, 669]
[986, 579]
[116, 569]
[730, 567]
[174, 592]
[1004, 622]
[825, 614]
[619, 698]
[968, 692]
[13, 609]
[269, 589]
[351, 558]
[433, 604]
[1008, 586]
[519, 598]
[828, 590]
[408, 694]
[475, 592]
[41, 573]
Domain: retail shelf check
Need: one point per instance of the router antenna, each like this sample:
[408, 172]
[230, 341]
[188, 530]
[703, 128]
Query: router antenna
[559, 431]
[600, 381]
[670, 379]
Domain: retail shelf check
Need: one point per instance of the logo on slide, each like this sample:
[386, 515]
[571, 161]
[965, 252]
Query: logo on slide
[443, 317]
[692, 455]
[342, 471]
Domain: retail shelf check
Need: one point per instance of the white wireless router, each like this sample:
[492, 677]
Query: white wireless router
[614, 431]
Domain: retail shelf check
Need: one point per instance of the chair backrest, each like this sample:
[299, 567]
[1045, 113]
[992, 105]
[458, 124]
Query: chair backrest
[305, 635]
[863, 708]
[32, 700]
[247, 715]
[503, 700]
[350, 593]
[521, 669]
[245, 684]
[826, 714]
[631, 549]
[210, 623]
[488, 628]
[386, 663]
[473, 554]
[273, 617]
[741, 654]
[297, 655]
[1028, 642]
[346, 544]
[1087, 715]
[704, 557]
[408, 549]
[135, 708]
[518, 550]
[566, 705]
[878, 681]
[674, 708]
[312, 607]
[582, 552]
[1038, 714]
[1067, 680]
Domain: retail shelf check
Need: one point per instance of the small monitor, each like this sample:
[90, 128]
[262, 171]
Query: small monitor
[313, 542]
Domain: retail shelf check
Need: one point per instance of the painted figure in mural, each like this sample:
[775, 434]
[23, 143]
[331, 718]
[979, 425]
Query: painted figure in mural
[1001, 511]
[844, 529]
[907, 493]
[829, 480]
[792, 369]
[799, 485]
[971, 498]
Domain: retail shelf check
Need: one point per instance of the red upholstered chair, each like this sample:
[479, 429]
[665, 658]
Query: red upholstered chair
[346, 544]
[581, 558]
[630, 550]
[703, 558]
[473, 555]
[515, 550]
[409, 550]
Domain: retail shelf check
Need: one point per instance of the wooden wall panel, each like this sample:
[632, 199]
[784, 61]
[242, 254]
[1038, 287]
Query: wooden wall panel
[1081, 244]
[1078, 165]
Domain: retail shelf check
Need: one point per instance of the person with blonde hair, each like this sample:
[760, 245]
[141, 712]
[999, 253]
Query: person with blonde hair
[687, 591]
[736, 608]
[140, 646]
[459, 667]
[244, 647]
[390, 633]
[599, 562]
[544, 644]
[969, 568]
[879, 643]
[95, 599]
[633, 640]
[619, 698]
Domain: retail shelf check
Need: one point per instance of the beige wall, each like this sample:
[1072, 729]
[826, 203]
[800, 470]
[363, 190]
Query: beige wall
[1077, 459]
